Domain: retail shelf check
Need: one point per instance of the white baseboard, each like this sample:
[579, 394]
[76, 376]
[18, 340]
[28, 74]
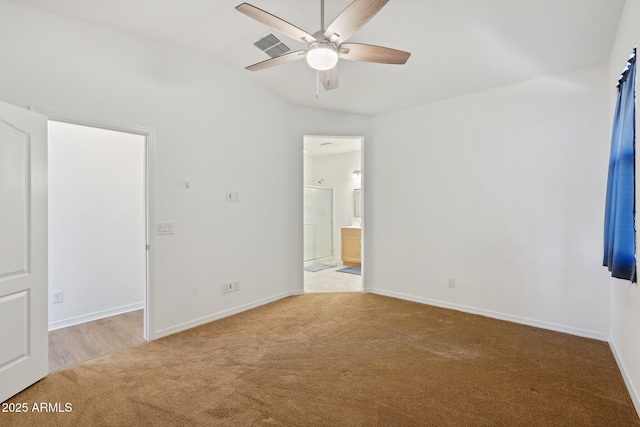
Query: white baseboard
[65, 323]
[633, 393]
[495, 315]
[225, 313]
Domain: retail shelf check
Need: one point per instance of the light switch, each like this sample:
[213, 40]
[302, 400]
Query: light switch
[164, 228]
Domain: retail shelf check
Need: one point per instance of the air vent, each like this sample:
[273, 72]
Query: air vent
[272, 46]
[277, 50]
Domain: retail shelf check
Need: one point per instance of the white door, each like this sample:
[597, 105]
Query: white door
[23, 249]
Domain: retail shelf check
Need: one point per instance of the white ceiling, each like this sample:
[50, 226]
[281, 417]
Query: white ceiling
[458, 46]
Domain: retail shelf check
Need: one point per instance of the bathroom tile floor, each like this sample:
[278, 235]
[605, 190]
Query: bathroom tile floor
[329, 280]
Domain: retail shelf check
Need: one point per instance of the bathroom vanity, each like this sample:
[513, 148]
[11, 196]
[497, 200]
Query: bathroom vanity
[351, 245]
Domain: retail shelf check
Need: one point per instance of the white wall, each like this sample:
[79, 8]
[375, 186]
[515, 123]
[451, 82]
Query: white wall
[625, 297]
[337, 172]
[96, 223]
[502, 190]
[308, 170]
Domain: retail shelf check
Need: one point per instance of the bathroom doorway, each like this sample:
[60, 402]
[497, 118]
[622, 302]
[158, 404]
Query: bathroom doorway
[333, 214]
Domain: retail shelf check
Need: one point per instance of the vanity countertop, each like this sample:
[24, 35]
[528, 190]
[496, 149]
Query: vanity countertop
[351, 226]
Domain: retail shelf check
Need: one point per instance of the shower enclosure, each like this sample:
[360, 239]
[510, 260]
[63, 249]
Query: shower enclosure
[318, 222]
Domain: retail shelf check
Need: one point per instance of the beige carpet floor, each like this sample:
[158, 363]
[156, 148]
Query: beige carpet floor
[344, 359]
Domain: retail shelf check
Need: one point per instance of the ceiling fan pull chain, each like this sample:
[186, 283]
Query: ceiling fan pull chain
[317, 84]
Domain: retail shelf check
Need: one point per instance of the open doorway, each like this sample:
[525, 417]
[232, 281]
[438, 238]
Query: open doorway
[97, 241]
[333, 214]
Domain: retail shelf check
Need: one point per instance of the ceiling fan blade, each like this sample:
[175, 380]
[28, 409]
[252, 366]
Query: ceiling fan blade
[370, 53]
[273, 21]
[352, 19]
[278, 60]
[329, 78]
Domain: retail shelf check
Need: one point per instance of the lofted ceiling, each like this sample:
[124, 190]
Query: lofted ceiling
[458, 46]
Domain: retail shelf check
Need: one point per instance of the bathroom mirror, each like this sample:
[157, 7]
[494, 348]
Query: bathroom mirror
[357, 203]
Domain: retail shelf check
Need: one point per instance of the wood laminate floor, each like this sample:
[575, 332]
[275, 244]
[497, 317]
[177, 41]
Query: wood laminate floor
[79, 343]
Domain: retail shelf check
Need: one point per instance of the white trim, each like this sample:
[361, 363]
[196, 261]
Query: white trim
[633, 393]
[150, 294]
[363, 215]
[65, 323]
[149, 134]
[222, 314]
[85, 120]
[495, 315]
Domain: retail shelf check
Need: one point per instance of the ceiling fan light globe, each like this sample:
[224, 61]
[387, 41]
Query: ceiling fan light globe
[322, 56]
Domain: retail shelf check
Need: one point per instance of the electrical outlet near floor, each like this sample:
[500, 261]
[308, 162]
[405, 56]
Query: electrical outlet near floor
[228, 287]
[231, 286]
[451, 282]
[58, 297]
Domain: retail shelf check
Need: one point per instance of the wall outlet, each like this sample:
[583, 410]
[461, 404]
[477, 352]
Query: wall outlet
[231, 286]
[58, 297]
[451, 282]
[232, 196]
[227, 287]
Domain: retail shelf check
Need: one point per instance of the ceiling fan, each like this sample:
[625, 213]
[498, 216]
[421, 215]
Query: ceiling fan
[326, 46]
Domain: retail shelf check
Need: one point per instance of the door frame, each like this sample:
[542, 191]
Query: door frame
[149, 327]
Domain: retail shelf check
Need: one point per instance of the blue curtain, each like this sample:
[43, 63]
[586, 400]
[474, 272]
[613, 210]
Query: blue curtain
[619, 229]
